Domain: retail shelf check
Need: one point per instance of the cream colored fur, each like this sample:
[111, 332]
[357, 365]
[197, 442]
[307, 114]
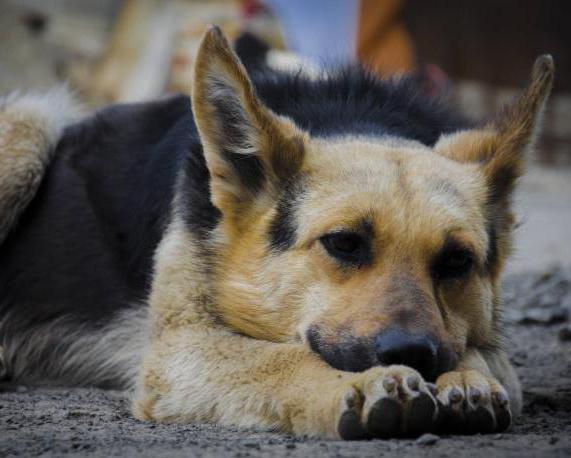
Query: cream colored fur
[67, 353]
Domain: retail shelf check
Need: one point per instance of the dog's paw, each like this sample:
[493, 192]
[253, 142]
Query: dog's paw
[472, 403]
[387, 402]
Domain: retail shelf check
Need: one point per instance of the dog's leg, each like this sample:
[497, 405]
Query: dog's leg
[30, 126]
[481, 394]
[207, 375]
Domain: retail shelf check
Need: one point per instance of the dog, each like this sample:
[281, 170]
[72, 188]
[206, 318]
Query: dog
[316, 255]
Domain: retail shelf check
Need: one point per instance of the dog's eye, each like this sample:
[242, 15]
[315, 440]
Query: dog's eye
[347, 247]
[453, 263]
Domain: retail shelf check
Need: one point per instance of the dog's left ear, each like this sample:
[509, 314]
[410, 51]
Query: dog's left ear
[501, 147]
[250, 151]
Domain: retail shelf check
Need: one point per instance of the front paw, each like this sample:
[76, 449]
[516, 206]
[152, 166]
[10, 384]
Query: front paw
[387, 402]
[472, 403]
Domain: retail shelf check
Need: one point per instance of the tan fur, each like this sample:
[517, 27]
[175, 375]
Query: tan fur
[229, 329]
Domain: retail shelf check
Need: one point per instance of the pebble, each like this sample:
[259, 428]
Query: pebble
[565, 333]
[539, 315]
[427, 439]
[255, 445]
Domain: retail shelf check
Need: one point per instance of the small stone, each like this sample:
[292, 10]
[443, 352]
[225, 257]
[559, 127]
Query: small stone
[291, 445]
[255, 445]
[565, 333]
[427, 439]
[21, 389]
[553, 440]
[544, 315]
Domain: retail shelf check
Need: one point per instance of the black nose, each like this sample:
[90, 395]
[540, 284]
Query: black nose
[414, 350]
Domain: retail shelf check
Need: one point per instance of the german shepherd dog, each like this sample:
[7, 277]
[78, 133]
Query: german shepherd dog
[315, 255]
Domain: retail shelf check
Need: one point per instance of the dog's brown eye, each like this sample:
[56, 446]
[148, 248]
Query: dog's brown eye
[347, 247]
[453, 263]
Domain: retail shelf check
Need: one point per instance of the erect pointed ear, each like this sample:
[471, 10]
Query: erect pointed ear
[501, 146]
[249, 150]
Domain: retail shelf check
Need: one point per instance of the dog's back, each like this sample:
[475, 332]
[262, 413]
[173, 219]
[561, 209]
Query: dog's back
[83, 249]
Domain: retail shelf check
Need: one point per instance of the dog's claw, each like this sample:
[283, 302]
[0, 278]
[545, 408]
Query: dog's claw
[413, 382]
[475, 395]
[389, 384]
[455, 396]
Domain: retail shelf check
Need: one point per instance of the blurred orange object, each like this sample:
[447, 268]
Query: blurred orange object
[384, 43]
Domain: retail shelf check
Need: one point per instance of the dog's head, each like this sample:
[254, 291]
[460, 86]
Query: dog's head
[371, 250]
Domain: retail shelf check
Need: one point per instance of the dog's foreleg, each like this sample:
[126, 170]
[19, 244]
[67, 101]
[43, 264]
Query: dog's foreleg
[215, 376]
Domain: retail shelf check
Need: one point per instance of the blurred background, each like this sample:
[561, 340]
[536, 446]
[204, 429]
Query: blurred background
[476, 52]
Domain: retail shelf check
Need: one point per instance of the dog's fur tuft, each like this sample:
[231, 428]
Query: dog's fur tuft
[30, 126]
[66, 352]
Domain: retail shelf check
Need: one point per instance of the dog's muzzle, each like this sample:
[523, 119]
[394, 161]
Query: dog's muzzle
[422, 352]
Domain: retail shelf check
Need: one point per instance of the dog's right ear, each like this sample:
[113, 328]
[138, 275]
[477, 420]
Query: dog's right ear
[249, 150]
[500, 148]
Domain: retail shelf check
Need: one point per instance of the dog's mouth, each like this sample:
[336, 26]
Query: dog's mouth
[423, 352]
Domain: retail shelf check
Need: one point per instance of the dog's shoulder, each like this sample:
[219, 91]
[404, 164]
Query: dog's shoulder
[128, 156]
[128, 129]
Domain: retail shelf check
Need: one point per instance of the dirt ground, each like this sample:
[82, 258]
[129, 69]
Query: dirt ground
[48, 421]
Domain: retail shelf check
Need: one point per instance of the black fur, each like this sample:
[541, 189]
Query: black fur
[282, 229]
[352, 101]
[492, 254]
[194, 192]
[252, 51]
[84, 247]
[248, 167]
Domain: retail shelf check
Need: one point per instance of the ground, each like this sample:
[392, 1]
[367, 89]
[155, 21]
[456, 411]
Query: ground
[52, 421]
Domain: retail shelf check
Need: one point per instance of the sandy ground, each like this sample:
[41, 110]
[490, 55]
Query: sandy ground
[42, 421]
[543, 203]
